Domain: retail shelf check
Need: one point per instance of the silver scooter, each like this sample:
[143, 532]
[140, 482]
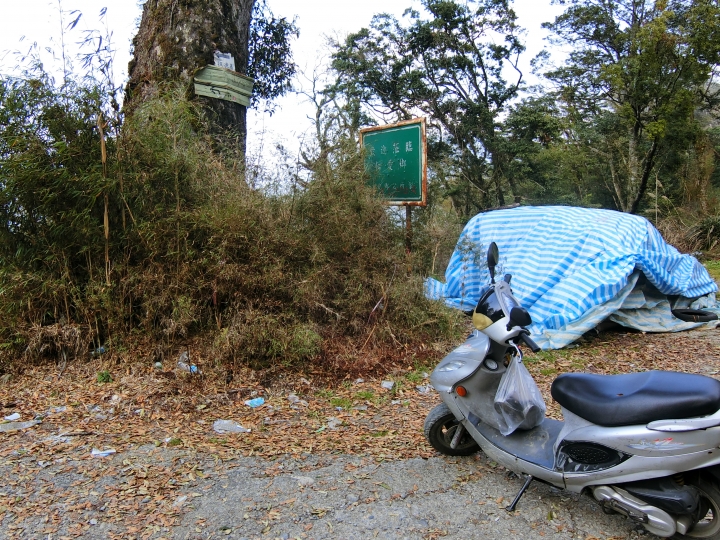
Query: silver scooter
[645, 445]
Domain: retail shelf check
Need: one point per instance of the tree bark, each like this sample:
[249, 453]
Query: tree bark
[178, 37]
[647, 169]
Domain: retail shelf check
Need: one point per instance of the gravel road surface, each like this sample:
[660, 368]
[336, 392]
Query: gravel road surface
[308, 497]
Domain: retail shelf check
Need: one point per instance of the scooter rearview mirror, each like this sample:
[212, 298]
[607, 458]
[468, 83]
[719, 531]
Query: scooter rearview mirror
[519, 317]
[493, 256]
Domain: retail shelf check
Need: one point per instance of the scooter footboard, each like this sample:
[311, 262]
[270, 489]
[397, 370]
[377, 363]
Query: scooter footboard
[533, 445]
[528, 452]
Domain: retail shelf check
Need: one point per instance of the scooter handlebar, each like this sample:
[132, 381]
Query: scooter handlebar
[529, 342]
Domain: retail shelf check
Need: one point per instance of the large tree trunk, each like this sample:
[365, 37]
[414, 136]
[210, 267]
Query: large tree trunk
[176, 38]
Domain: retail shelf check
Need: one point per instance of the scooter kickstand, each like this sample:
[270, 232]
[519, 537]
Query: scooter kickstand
[513, 504]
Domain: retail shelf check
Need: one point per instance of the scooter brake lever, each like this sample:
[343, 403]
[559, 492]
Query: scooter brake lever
[518, 352]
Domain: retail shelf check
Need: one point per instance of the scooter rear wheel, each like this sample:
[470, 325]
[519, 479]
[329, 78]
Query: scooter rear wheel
[440, 428]
[708, 527]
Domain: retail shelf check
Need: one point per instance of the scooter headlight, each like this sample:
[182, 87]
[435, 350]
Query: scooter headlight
[452, 366]
[488, 310]
[480, 321]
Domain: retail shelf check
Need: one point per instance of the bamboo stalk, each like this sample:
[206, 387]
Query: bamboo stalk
[107, 242]
[106, 218]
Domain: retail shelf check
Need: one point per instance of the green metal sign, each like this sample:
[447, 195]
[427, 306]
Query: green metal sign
[396, 161]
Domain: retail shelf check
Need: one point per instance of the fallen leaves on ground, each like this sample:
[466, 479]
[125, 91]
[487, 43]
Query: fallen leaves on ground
[145, 407]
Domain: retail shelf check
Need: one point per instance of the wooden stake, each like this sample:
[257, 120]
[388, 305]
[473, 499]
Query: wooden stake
[408, 229]
[408, 236]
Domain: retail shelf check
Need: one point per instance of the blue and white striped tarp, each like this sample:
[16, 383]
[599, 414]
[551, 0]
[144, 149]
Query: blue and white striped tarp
[573, 268]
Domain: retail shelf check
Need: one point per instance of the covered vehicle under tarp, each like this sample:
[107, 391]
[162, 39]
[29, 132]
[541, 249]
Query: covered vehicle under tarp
[573, 268]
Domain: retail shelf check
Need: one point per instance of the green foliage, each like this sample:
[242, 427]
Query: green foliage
[104, 377]
[365, 394]
[343, 403]
[634, 78]
[51, 202]
[270, 56]
[624, 129]
[548, 167]
[325, 393]
[447, 65]
[714, 268]
[415, 377]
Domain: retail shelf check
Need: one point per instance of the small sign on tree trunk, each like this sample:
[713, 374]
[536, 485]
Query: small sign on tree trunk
[396, 161]
[224, 60]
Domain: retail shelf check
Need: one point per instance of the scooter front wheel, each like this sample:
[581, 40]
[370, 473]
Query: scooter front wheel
[440, 428]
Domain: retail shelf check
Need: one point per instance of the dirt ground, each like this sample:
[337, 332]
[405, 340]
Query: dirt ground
[321, 460]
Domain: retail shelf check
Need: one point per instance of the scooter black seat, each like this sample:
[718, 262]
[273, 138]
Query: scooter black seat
[636, 398]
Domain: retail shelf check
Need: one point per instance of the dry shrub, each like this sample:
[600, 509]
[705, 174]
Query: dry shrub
[325, 264]
[261, 339]
[705, 235]
[691, 234]
[57, 340]
[270, 279]
[675, 232]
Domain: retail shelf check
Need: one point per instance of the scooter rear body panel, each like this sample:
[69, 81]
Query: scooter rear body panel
[650, 453]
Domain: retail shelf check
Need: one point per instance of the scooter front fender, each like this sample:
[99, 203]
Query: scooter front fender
[460, 364]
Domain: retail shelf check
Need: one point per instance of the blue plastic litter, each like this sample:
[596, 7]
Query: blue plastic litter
[256, 402]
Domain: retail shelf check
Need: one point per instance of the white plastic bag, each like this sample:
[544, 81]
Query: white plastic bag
[228, 426]
[518, 402]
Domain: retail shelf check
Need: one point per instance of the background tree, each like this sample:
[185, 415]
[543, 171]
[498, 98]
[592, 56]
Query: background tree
[637, 72]
[450, 63]
[533, 128]
[176, 39]
[337, 119]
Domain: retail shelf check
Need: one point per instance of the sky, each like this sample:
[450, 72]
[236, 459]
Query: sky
[24, 23]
